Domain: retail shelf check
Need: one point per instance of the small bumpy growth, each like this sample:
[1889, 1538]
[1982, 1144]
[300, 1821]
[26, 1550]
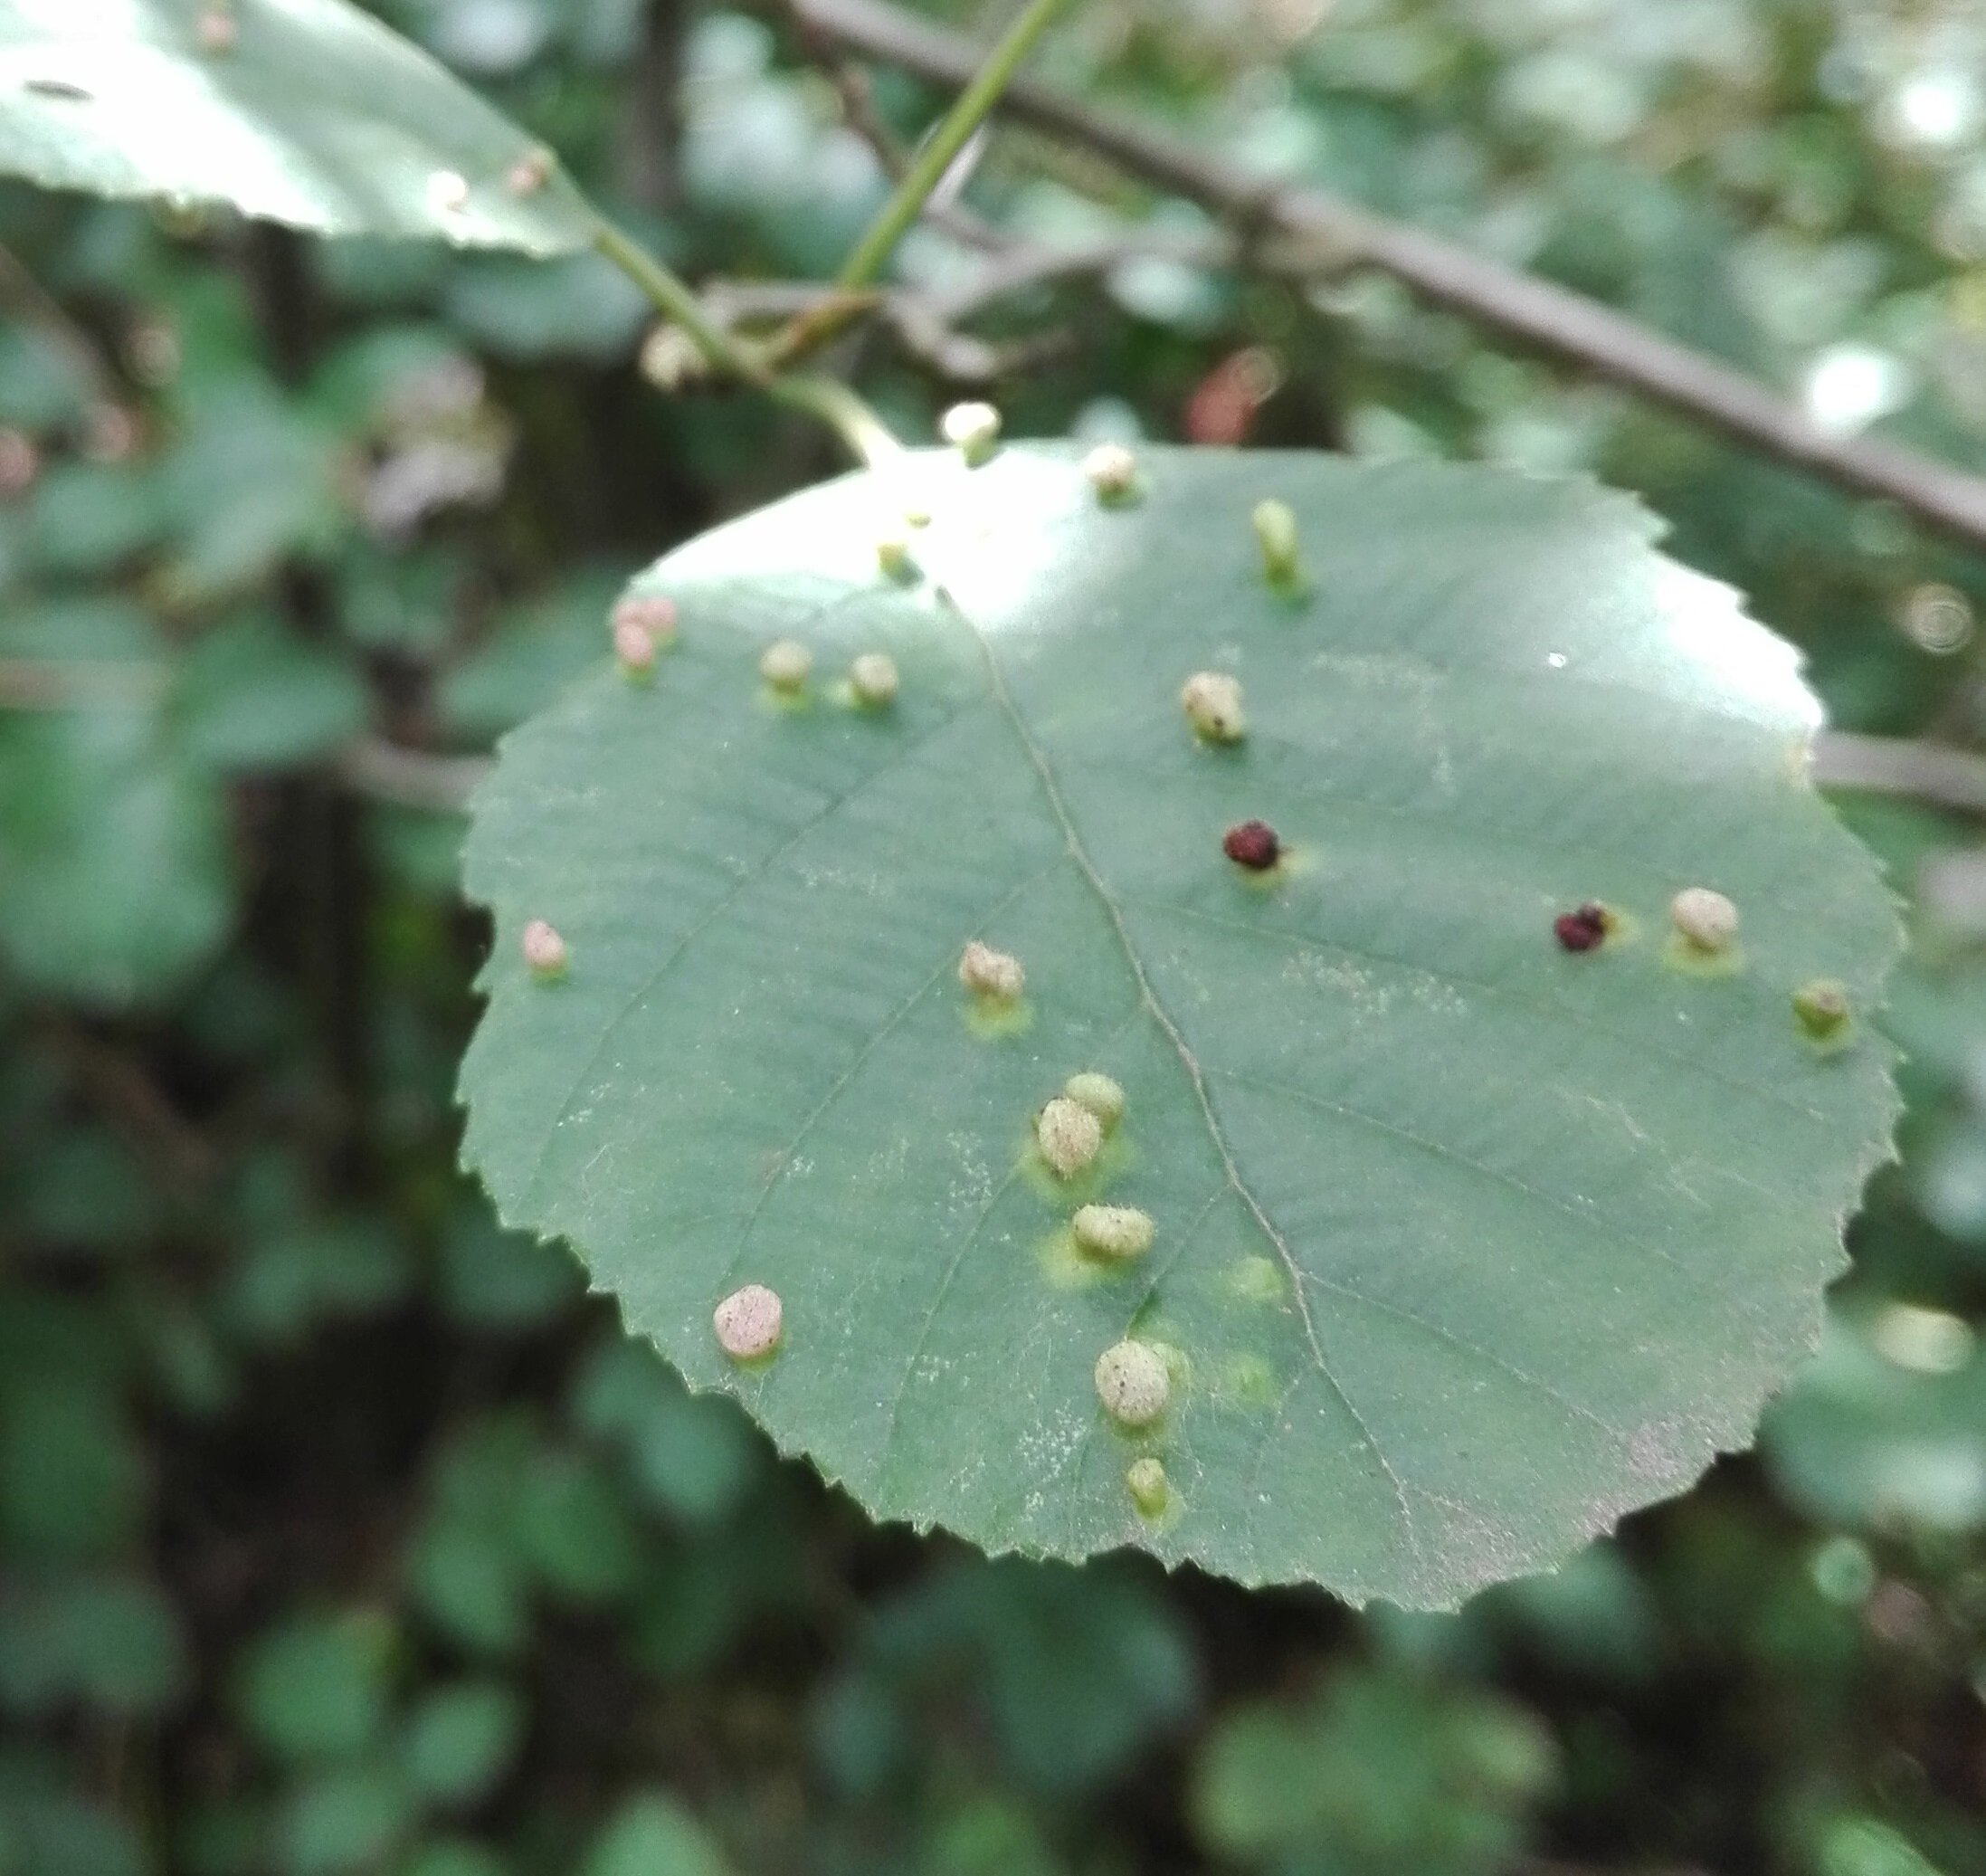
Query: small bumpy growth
[893, 555]
[544, 950]
[974, 429]
[1098, 1092]
[1145, 1478]
[748, 1322]
[1704, 920]
[873, 678]
[1253, 845]
[1113, 472]
[1582, 929]
[1120, 1232]
[1068, 1135]
[996, 975]
[1276, 534]
[216, 29]
[529, 173]
[1212, 702]
[652, 613]
[634, 650]
[785, 664]
[448, 191]
[1821, 1007]
[1132, 1382]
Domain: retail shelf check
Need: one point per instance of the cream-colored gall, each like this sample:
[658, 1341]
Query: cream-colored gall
[1705, 919]
[544, 950]
[988, 973]
[748, 1322]
[1068, 1135]
[872, 678]
[1119, 1233]
[785, 664]
[1098, 1092]
[1212, 702]
[1132, 1383]
[973, 429]
[1113, 471]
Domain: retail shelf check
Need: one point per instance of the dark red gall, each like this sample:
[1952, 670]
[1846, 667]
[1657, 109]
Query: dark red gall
[1580, 930]
[1253, 845]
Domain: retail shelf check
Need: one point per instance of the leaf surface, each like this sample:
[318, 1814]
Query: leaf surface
[317, 116]
[1466, 1245]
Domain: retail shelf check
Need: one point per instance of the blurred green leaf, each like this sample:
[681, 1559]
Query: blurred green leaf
[652, 1835]
[345, 1818]
[112, 1642]
[254, 696]
[114, 865]
[316, 1686]
[1375, 1775]
[461, 1739]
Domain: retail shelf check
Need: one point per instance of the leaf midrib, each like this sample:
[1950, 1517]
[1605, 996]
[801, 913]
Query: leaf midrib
[1051, 791]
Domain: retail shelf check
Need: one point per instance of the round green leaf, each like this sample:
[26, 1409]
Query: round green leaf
[317, 114]
[1466, 1243]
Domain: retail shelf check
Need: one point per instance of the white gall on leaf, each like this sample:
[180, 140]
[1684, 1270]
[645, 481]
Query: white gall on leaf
[1068, 1135]
[1705, 919]
[1113, 471]
[1098, 1092]
[974, 429]
[448, 191]
[1212, 702]
[748, 1322]
[986, 972]
[873, 678]
[1117, 1232]
[1132, 1383]
[544, 950]
[785, 664]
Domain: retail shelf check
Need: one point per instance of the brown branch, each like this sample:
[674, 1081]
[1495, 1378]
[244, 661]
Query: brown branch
[1936, 773]
[1540, 316]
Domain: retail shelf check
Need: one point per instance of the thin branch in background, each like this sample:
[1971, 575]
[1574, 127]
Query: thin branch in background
[984, 84]
[1936, 773]
[1536, 314]
[27, 300]
[1880, 765]
[834, 404]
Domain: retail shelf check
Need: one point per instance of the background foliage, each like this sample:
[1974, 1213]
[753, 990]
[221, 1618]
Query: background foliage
[342, 1533]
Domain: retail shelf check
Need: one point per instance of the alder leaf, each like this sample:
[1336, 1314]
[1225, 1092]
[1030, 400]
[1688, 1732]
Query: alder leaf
[1465, 1244]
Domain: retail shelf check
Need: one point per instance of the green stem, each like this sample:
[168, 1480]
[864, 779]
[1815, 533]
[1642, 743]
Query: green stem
[968, 113]
[675, 299]
[868, 439]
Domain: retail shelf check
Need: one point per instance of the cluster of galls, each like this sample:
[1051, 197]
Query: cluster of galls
[1706, 926]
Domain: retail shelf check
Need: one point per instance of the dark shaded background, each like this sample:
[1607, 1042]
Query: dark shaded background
[341, 1533]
